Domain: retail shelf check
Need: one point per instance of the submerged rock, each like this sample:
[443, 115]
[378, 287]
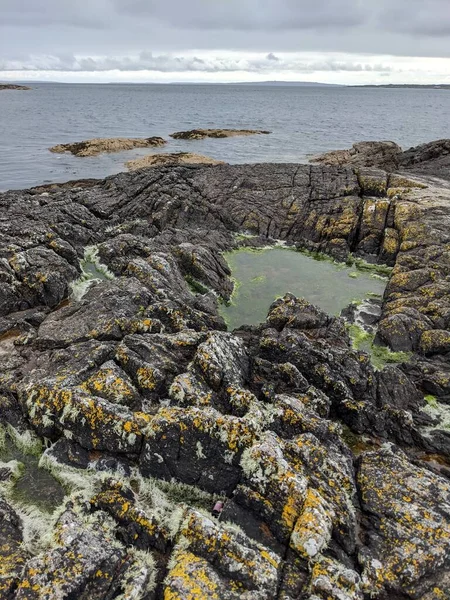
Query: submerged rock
[153, 414]
[200, 134]
[100, 145]
[173, 158]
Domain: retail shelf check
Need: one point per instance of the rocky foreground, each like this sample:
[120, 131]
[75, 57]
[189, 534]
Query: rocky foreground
[328, 479]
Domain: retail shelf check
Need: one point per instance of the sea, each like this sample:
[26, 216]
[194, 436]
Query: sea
[304, 121]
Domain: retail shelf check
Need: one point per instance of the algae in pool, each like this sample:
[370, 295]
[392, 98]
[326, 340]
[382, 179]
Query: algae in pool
[263, 275]
[34, 486]
[93, 271]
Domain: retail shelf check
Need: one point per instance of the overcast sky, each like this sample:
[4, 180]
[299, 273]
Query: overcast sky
[335, 41]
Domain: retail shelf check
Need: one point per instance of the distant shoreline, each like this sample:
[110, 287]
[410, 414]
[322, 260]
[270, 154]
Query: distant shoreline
[266, 84]
[425, 86]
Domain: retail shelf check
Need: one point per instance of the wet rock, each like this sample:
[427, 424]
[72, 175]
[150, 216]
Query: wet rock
[11, 86]
[200, 134]
[172, 158]
[100, 145]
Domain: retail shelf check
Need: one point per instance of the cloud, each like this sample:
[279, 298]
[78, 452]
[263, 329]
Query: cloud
[220, 36]
[166, 63]
[427, 18]
[38, 13]
[249, 14]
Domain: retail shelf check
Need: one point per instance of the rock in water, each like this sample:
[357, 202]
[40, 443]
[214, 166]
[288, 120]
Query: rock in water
[11, 86]
[176, 158]
[99, 145]
[332, 477]
[200, 134]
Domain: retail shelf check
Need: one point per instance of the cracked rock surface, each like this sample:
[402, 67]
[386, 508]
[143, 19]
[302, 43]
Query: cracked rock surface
[331, 477]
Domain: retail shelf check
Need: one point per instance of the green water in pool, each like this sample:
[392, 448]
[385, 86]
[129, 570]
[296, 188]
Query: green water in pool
[35, 486]
[261, 276]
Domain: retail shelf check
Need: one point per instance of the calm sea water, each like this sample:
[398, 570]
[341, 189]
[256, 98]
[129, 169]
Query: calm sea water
[304, 121]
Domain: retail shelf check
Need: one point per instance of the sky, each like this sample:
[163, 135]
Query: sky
[329, 41]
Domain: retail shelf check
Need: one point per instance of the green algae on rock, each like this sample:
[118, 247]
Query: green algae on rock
[380, 355]
[265, 274]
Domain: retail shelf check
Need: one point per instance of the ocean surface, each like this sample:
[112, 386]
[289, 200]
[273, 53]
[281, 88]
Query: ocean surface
[304, 122]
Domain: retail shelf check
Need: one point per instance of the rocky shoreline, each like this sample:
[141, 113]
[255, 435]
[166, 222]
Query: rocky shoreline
[270, 462]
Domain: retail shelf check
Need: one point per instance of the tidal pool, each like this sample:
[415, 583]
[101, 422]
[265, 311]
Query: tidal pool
[35, 486]
[93, 271]
[261, 276]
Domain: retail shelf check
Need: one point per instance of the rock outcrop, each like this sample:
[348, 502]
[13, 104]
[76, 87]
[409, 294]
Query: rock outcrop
[379, 155]
[270, 462]
[171, 158]
[100, 145]
[13, 86]
[200, 134]
[432, 159]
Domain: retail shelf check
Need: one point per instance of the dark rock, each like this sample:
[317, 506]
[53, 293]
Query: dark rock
[12, 553]
[407, 503]
[200, 134]
[382, 155]
[153, 413]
